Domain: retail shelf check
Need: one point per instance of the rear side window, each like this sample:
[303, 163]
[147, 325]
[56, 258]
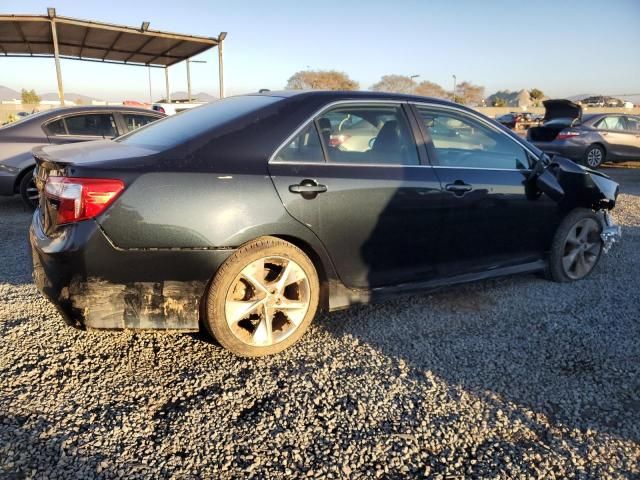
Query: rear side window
[461, 141]
[187, 125]
[368, 134]
[93, 125]
[633, 124]
[134, 121]
[305, 147]
[56, 128]
[611, 123]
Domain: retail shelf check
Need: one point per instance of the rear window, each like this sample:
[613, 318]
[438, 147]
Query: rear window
[189, 124]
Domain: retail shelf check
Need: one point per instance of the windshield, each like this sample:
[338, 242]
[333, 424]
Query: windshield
[188, 124]
[26, 118]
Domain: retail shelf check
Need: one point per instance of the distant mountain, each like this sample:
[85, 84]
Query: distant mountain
[7, 93]
[72, 97]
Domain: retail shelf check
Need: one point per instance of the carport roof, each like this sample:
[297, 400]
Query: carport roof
[31, 35]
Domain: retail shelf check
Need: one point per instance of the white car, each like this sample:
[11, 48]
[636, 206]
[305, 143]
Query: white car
[175, 106]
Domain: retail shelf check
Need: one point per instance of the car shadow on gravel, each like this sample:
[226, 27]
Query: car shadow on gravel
[559, 358]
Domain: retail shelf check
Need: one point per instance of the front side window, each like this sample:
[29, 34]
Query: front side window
[368, 135]
[305, 147]
[633, 123]
[611, 123]
[461, 141]
[136, 120]
[92, 125]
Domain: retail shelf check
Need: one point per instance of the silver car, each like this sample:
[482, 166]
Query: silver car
[589, 139]
[60, 125]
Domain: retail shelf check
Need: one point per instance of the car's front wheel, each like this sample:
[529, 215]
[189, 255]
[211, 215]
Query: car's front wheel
[28, 190]
[594, 157]
[576, 247]
[263, 298]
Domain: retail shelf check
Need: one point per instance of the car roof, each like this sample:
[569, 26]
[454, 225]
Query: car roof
[353, 94]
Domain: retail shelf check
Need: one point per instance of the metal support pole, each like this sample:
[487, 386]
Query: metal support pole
[166, 82]
[188, 81]
[56, 54]
[220, 69]
[150, 94]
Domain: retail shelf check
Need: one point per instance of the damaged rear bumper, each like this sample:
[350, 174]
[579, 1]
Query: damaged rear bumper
[96, 285]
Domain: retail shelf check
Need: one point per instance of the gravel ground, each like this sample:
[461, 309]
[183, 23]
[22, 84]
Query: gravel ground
[513, 378]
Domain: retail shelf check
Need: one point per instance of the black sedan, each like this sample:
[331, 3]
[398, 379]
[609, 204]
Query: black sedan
[587, 139]
[244, 217]
[60, 125]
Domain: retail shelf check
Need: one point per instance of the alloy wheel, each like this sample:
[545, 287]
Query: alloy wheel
[582, 248]
[594, 157]
[32, 193]
[267, 301]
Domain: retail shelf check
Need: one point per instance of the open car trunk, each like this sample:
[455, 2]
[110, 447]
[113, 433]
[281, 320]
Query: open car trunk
[558, 115]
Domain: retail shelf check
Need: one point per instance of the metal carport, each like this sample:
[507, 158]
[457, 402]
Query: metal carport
[70, 38]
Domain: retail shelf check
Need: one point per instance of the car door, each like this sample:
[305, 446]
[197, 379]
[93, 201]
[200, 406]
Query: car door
[354, 175]
[633, 126]
[81, 127]
[492, 217]
[618, 139]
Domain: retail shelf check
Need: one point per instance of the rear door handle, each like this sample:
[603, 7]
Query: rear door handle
[459, 188]
[307, 186]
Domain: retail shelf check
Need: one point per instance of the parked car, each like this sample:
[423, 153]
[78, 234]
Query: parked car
[241, 216]
[590, 139]
[175, 106]
[509, 120]
[60, 125]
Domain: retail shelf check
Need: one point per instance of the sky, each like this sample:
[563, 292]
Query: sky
[562, 47]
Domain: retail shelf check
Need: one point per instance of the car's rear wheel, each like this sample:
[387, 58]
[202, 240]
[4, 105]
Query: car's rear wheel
[28, 190]
[576, 247]
[263, 298]
[594, 157]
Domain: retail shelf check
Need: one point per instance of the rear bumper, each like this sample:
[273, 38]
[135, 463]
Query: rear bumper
[96, 285]
[564, 148]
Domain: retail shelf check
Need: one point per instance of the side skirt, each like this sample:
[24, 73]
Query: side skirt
[342, 297]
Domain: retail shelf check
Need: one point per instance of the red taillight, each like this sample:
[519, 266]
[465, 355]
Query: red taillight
[159, 109]
[81, 198]
[567, 134]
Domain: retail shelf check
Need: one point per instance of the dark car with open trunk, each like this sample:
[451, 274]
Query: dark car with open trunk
[247, 217]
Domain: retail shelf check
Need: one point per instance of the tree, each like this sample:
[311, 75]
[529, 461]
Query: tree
[468, 93]
[430, 89]
[321, 80]
[395, 84]
[30, 97]
[499, 102]
[536, 95]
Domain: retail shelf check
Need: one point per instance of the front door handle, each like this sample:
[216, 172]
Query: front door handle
[307, 187]
[459, 188]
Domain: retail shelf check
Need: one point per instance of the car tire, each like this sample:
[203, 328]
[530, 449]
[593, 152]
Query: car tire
[263, 298]
[594, 157]
[576, 247]
[28, 190]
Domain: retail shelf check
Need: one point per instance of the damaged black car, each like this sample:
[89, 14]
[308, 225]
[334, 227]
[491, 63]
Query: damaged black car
[250, 215]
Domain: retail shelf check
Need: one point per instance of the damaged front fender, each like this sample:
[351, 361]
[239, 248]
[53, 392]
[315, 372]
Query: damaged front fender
[572, 185]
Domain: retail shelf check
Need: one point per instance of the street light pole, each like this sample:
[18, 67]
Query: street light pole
[454, 88]
[188, 81]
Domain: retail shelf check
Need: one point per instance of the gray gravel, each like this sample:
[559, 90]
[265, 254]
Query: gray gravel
[513, 378]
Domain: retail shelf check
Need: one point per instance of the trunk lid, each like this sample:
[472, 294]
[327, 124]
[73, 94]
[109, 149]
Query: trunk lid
[561, 109]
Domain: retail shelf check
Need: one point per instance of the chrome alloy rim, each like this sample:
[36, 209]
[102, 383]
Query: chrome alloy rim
[582, 248]
[594, 157]
[32, 192]
[267, 301]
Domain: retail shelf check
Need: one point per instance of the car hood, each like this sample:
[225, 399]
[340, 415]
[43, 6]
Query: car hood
[561, 109]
